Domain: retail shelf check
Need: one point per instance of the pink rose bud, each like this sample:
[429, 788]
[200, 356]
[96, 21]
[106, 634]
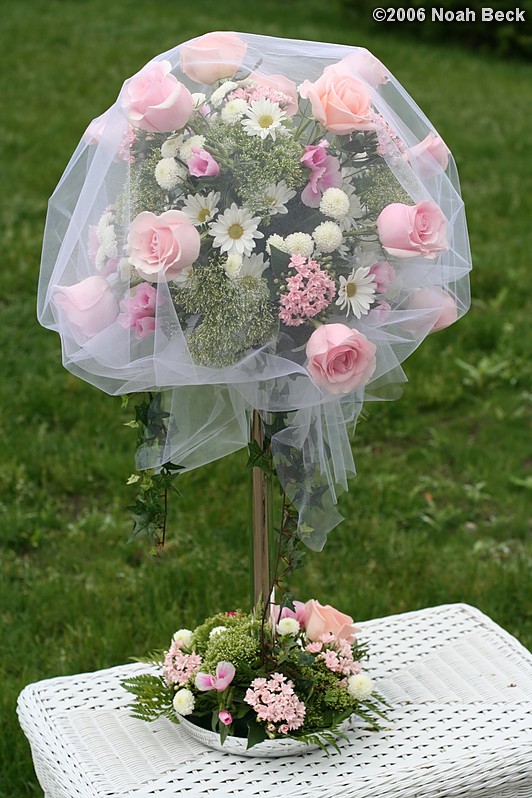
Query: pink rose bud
[340, 101]
[202, 164]
[435, 299]
[162, 246]
[212, 57]
[324, 619]
[155, 100]
[225, 717]
[340, 358]
[407, 231]
[89, 306]
[430, 156]
[383, 274]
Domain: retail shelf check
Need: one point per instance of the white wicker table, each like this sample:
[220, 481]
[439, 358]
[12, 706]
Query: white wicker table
[461, 689]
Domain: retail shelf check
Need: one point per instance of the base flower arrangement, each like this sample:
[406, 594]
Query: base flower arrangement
[297, 674]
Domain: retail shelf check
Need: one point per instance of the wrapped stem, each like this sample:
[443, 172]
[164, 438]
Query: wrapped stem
[262, 519]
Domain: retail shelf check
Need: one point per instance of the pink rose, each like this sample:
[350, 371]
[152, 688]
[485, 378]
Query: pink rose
[379, 313]
[202, 164]
[340, 101]
[278, 83]
[406, 231]
[89, 306]
[162, 245]
[383, 274]
[366, 66]
[155, 100]
[213, 56]
[324, 173]
[322, 620]
[430, 156]
[225, 717]
[340, 358]
[433, 298]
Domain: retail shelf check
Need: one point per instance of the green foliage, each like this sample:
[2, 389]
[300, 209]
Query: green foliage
[505, 38]
[153, 699]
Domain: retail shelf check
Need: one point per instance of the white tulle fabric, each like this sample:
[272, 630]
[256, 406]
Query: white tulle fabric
[209, 407]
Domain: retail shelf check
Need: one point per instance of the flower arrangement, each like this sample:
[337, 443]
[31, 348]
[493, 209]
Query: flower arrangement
[253, 238]
[297, 676]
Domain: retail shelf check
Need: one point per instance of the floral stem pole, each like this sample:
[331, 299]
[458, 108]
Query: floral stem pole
[261, 521]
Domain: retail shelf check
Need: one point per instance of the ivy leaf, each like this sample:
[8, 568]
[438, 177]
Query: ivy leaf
[256, 733]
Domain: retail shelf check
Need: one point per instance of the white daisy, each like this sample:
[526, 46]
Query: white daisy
[200, 209]
[299, 244]
[233, 111]
[218, 94]
[235, 230]
[264, 118]
[356, 292]
[327, 236]
[185, 150]
[184, 275]
[276, 197]
[168, 173]
[334, 203]
[253, 266]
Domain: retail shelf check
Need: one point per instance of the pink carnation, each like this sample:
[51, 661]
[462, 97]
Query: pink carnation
[310, 291]
[138, 310]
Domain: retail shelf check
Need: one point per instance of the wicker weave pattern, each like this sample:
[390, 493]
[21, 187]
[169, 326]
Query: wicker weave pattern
[461, 688]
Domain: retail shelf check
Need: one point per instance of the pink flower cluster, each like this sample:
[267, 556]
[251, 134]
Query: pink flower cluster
[324, 173]
[275, 702]
[336, 653]
[310, 291]
[178, 667]
[250, 93]
[138, 310]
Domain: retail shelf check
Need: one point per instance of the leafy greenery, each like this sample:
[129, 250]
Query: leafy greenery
[440, 510]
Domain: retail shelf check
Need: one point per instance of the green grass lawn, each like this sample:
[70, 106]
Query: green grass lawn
[440, 509]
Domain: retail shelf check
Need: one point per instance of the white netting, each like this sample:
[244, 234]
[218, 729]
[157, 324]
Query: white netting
[160, 272]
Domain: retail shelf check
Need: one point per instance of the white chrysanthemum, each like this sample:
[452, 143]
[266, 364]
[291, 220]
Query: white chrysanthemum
[105, 220]
[299, 244]
[233, 111]
[183, 636]
[288, 626]
[217, 97]
[327, 236]
[264, 118]
[232, 267]
[168, 173]
[253, 266]
[185, 150]
[126, 271]
[170, 147]
[184, 275]
[108, 242]
[199, 99]
[200, 209]
[334, 203]
[359, 686]
[277, 242]
[235, 231]
[184, 702]
[218, 630]
[277, 196]
[356, 292]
